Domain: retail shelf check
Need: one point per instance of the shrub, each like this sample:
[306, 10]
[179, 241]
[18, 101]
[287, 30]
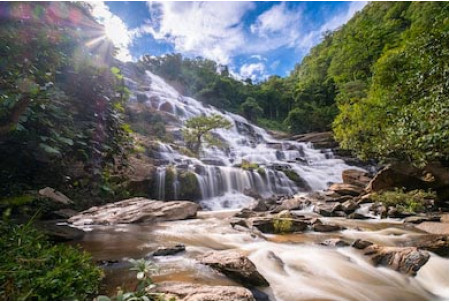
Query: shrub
[412, 201]
[34, 269]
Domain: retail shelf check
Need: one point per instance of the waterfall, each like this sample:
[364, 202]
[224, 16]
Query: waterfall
[283, 167]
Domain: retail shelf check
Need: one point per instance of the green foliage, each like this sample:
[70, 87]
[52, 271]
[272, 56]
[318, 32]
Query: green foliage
[33, 269]
[412, 201]
[251, 109]
[246, 165]
[189, 187]
[197, 131]
[292, 175]
[143, 291]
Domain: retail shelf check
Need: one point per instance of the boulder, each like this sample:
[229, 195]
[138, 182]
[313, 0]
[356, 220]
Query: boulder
[54, 195]
[407, 260]
[334, 243]
[418, 220]
[356, 177]
[437, 228]
[434, 243]
[64, 213]
[259, 205]
[168, 251]
[357, 216]
[365, 199]
[246, 213]
[252, 193]
[57, 231]
[278, 225]
[349, 206]
[327, 209]
[325, 228]
[346, 189]
[361, 244]
[136, 210]
[290, 204]
[235, 266]
[197, 292]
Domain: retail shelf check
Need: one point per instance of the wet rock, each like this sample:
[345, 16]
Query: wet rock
[417, 219]
[290, 204]
[259, 205]
[59, 232]
[379, 210]
[213, 161]
[361, 244]
[238, 222]
[339, 199]
[54, 195]
[365, 199]
[136, 210]
[168, 251]
[278, 225]
[356, 177]
[407, 260]
[234, 265]
[252, 193]
[340, 213]
[259, 295]
[106, 263]
[434, 243]
[438, 228]
[346, 189]
[357, 216]
[327, 209]
[246, 213]
[198, 292]
[349, 207]
[325, 228]
[393, 212]
[64, 213]
[335, 243]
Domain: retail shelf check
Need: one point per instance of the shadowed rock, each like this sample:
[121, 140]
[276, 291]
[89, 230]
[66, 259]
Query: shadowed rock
[234, 265]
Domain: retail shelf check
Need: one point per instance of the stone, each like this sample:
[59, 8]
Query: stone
[64, 213]
[278, 225]
[365, 199]
[346, 189]
[349, 207]
[437, 228]
[168, 251]
[198, 292]
[356, 177]
[327, 209]
[246, 213]
[357, 216]
[339, 199]
[259, 205]
[361, 244]
[57, 231]
[235, 266]
[136, 210]
[325, 228]
[393, 212]
[417, 219]
[290, 204]
[334, 243]
[252, 193]
[54, 195]
[434, 243]
[407, 260]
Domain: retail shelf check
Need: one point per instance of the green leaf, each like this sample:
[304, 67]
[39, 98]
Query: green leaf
[50, 150]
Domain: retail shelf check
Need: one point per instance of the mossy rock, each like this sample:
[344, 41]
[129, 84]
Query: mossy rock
[189, 187]
[294, 177]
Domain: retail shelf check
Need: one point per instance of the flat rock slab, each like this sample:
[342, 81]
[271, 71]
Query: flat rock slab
[437, 228]
[198, 292]
[234, 265]
[135, 210]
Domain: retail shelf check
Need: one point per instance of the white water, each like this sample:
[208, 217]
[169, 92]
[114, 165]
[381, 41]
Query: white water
[221, 183]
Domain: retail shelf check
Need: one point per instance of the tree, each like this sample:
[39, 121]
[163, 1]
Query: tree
[197, 130]
[251, 109]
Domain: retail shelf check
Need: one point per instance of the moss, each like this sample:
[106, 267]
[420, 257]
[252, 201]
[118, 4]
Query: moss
[282, 225]
[246, 165]
[261, 171]
[412, 201]
[189, 187]
[292, 175]
[170, 179]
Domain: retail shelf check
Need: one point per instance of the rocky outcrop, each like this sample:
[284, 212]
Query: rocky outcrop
[344, 189]
[197, 292]
[277, 225]
[319, 140]
[54, 195]
[136, 210]
[407, 260]
[168, 251]
[234, 265]
[356, 177]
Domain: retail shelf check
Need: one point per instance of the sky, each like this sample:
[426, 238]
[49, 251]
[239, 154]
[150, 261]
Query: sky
[255, 39]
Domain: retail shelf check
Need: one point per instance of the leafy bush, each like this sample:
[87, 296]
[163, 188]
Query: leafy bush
[33, 269]
[412, 201]
[144, 288]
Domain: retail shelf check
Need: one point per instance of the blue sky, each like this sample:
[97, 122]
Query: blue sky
[255, 39]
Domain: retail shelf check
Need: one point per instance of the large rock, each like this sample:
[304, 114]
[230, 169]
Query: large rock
[346, 189]
[277, 225]
[356, 177]
[140, 176]
[234, 265]
[54, 195]
[326, 228]
[197, 292]
[57, 231]
[136, 210]
[327, 209]
[407, 260]
[319, 140]
[168, 251]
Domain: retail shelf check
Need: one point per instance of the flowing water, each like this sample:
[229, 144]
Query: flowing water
[295, 265]
[220, 180]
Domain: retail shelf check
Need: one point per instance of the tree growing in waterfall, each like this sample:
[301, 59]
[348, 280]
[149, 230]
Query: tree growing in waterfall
[197, 131]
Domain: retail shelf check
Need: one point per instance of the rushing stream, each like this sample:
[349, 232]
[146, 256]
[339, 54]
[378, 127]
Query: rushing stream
[295, 265]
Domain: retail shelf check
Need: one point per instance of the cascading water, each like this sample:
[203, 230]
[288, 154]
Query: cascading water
[283, 167]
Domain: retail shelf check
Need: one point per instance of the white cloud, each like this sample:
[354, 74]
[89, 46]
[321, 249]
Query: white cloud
[277, 19]
[209, 29]
[254, 71]
[115, 30]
